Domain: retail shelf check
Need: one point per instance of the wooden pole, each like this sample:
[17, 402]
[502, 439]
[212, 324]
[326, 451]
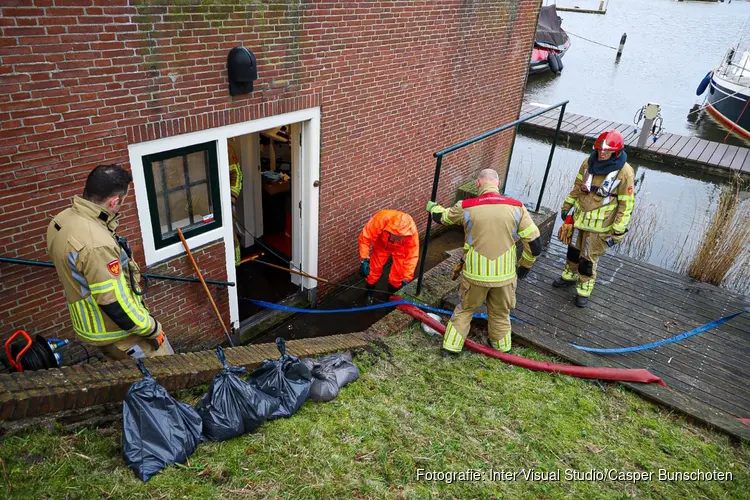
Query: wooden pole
[622, 45]
[300, 273]
[205, 287]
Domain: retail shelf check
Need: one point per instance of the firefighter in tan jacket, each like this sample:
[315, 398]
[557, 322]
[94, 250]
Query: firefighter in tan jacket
[98, 276]
[492, 225]
[602, 200]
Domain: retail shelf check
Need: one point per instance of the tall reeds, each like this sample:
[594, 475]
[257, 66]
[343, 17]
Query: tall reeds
[724, 249]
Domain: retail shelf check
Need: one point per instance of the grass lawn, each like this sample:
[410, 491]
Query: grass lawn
[409, 410]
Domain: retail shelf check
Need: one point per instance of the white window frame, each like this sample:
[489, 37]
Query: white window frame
[308, 253]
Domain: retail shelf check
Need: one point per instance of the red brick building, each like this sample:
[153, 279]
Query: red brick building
[367, 91]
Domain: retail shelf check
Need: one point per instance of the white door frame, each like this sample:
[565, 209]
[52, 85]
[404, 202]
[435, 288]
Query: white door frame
[305, 247]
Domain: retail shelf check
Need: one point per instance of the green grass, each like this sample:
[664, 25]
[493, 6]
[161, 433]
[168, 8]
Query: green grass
[409, 410]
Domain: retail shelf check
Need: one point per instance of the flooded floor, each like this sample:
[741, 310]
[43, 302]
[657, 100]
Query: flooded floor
[670, 47]
[315, 325]
[672, 211]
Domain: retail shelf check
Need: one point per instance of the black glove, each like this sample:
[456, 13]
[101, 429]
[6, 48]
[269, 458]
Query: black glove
[522, 272]
[364, 268]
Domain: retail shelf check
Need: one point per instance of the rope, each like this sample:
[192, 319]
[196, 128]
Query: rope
[392, 303]
[676, 338]
[589, 40]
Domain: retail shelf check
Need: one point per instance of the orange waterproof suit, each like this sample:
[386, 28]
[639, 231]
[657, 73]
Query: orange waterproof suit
[390, 232]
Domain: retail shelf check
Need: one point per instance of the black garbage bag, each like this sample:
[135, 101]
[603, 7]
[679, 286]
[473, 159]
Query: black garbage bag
[341, 364]
[232, 407]
[324, 386]
[157, 429]
[286, 378]
[330, 374]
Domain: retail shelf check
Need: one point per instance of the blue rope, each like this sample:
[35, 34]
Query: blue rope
[394, 303]
[676, 338]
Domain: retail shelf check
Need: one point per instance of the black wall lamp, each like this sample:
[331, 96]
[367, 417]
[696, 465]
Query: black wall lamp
[242, 69]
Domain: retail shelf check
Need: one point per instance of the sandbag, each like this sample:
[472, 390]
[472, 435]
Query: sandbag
[157, 429]
[341, 364]
[286, 378]
[330, 374]
[232, 407]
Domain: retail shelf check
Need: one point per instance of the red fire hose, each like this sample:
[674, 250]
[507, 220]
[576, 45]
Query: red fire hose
[617, 374]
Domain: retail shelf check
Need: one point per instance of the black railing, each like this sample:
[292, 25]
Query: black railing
[40, 263]
[439, 155]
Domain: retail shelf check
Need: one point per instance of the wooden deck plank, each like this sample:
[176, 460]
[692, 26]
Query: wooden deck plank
[728, 157]
[583, 124]
[718, 154]
[652, 319]
[667, 145]
[707, 389]
[708, 374]
[688, 148]
[654, 146]
[678, 146]
[739, 158]
[647, 327]
[698, 149]
[595, 128]
[746, 165]
[696, 305]
[708, 152]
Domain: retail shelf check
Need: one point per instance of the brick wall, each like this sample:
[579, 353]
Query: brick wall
[396, 81]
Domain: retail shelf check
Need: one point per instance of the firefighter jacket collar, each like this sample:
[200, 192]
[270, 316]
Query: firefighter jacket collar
[607, 166]
[91, 210]
[489, 188]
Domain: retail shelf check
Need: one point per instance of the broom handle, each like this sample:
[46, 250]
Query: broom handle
[205, 287]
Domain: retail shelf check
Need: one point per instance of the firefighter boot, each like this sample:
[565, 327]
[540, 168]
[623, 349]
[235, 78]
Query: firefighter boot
[563, 283]
[369, 295]
[581, 301]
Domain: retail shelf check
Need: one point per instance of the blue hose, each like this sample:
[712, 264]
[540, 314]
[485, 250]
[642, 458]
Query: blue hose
[676, 338]
[393, 303]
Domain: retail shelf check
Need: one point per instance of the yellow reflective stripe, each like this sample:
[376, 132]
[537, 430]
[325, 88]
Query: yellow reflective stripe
[453, 341]
[131, 308]
[88, 322]
[525, 232]
[528, 256]
[629, 200]
[103, 287]
[480, 268]
[579, 176]
[570, 200]
[444, 218]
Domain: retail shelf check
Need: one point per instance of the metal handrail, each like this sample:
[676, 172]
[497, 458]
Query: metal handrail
[514, 124]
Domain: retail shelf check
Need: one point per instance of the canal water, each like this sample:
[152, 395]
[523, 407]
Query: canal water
[673, 207]
[669, 49]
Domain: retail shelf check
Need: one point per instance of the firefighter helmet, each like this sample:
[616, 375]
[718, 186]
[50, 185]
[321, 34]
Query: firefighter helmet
[609, 140]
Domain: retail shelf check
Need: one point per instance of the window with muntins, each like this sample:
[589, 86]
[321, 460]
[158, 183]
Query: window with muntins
[183, 192]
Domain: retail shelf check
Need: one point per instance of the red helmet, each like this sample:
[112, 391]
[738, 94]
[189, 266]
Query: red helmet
[610, 140]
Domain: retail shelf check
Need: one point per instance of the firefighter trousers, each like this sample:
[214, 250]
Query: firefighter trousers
[583, 254]
[500, 300]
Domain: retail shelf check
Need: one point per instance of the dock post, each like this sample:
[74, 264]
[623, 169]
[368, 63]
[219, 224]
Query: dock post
[601, 5]
[622, 45]
[652, 111]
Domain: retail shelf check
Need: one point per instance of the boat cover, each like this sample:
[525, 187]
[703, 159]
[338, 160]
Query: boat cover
[549, 33]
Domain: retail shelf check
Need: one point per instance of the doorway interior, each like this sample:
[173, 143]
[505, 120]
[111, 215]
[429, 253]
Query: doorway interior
[263, 215]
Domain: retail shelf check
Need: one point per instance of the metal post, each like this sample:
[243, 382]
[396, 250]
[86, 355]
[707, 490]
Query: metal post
[510, 157]
[429, 221]
[551, 154]
[622, 45]
[652, 111]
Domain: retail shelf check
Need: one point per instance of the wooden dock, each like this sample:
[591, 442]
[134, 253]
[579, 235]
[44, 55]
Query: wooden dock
[636, 303]
[672, 149]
